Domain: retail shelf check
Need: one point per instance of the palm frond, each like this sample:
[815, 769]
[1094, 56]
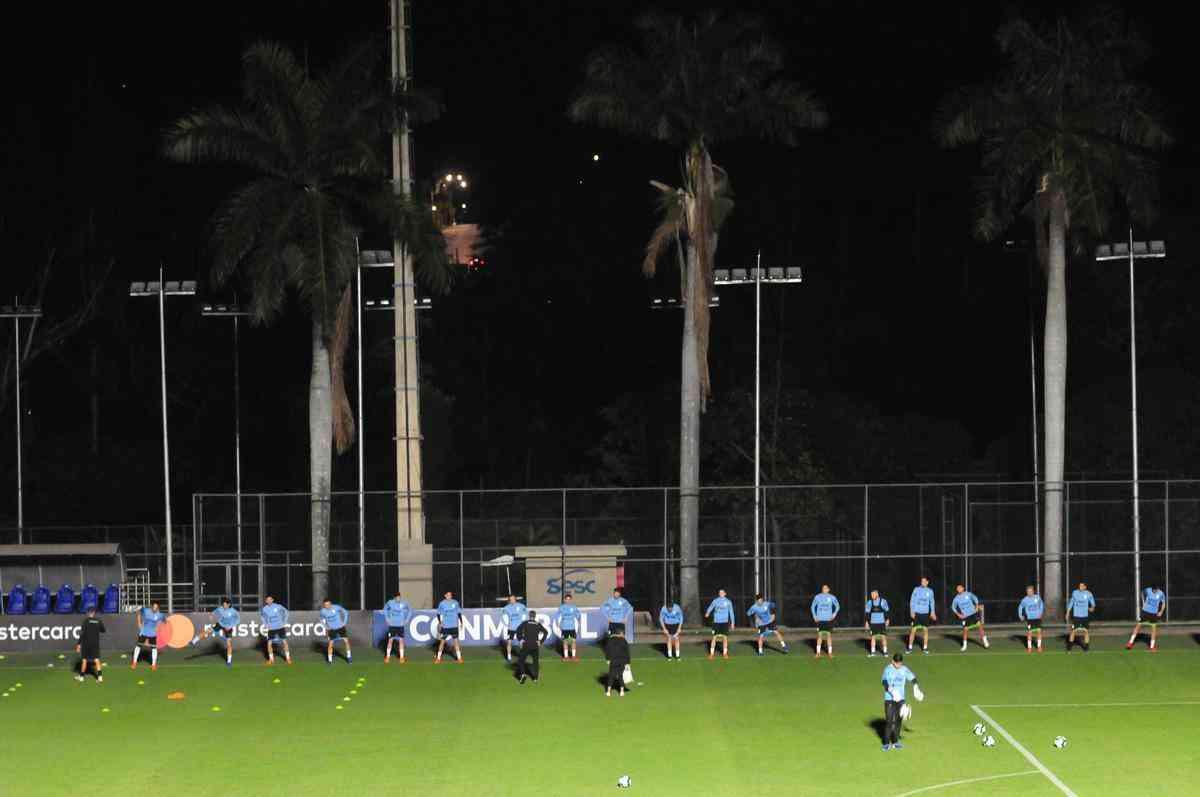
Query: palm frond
[221, 135]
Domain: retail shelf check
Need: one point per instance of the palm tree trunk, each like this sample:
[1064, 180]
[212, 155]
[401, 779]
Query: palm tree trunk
[320, 446]
[1055, 400]
[689, 447]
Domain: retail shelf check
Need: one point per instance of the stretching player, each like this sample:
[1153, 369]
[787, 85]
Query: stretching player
[969, 611]
[226, 619]
[568, 623]
[922, 614]
[514, 613]
[274, 618]
[1154, 604]
[1080, 606]
[721, 610]
[147, 621]
[825, 608]
[670, 620]
[448, 612]
[397, 613]
[896, 677]
[1030, 610]
[763, 612]
[878, 620]
[335, 617]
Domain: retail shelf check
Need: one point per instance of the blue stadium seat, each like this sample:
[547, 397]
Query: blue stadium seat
[112, 600]
[89, 598]
[41, 601]
[18, 601]
[64, 601]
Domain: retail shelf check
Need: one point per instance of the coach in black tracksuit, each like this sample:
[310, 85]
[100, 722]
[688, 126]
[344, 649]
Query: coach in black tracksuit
[531, 635]
[616, 650]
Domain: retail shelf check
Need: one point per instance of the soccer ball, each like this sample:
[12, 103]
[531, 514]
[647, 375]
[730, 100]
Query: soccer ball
[980, 729]
[905, 712]
[624, 782]
[1060, 742]
[989, 741]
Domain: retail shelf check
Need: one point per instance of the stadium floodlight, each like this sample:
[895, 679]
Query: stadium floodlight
[162, 289]
[1132, 251]
[16, 311]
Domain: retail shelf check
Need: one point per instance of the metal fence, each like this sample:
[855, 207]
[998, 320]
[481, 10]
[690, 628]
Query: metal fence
[853, 537]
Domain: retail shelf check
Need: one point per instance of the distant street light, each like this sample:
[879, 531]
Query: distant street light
[1132, 251]
[161, 290]
[16, 312]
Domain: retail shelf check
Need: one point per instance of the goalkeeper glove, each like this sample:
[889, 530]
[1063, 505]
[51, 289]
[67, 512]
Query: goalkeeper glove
[917, 693]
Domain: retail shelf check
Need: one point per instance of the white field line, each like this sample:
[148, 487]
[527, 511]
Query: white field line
[1091, 705]
[948, 784]
[1030, 757]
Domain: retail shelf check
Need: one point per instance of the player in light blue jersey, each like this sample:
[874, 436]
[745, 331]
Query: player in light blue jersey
[721, 610]
[147, 620]
[969, 611]
[1030, 611]
[763, 612]
[514, 613]
[449, 612]
[876, 620]
[1080, 606]
[335, 617]
[274, 618]
[922, 612]
[617, 611]
[226, 619]
[1154, 605]
[397, 613]
[568, 618]
[896, 678]
[670, 620]
[825, 608]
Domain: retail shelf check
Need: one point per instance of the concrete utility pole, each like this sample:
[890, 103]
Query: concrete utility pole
[415, 558]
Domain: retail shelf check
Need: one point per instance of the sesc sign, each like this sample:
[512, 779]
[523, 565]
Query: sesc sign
[581, 581]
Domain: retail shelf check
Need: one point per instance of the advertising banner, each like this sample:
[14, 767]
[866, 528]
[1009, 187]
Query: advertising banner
[486, 627]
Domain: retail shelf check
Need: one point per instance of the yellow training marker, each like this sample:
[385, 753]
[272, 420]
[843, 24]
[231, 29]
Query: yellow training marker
[216, 708]
[338, 707]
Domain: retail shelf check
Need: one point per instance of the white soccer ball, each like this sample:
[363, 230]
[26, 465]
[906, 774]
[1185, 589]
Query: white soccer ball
[1060, 742]
[980, 729]
[624, 782]
[989, 741]
[905, 712]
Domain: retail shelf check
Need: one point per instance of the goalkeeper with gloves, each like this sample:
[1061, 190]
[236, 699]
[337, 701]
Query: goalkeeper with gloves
[896, 677]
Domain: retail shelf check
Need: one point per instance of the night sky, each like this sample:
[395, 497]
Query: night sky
[902, 317]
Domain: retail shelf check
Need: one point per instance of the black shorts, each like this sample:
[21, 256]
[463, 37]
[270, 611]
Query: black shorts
[222, 631]
[569, 633]
[971, 620]
[89, 653]
[878, 629]
[1036, 622]
[922, 621]
[1152, 619]
[147, 640]
[825, 626]
[720, 629]
[616, 628]
[449, 633]
[766, 628]
[335, 633]
[672, 628]
[395, 632]
[1081, 622]
[277, 633]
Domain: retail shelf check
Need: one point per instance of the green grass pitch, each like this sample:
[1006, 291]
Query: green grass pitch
[772, 725]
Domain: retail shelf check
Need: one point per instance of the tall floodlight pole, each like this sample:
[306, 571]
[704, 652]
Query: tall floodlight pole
[161, 290]
[16, 312]
[757, 276]
[1134, 251]
[236, 313]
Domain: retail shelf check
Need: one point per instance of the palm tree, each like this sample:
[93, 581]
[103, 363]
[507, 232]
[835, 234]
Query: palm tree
[1068, 137]
[694, 82]
[317, 149]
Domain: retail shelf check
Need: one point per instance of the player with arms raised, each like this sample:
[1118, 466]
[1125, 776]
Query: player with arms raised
[148, 619]
[922, 613]
[448, 611]
[397, 613]
[878, 619]
[514, 613]
[825, 608]
[568, 616]
[969, 611]
[1154, 605]
[763, 612]
[1080, 606]
[274, 618]
[335, 617]
[1030, 612]
[225, 619]
[721, 610]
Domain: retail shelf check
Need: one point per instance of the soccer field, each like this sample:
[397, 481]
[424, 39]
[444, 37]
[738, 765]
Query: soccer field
[749, 725]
